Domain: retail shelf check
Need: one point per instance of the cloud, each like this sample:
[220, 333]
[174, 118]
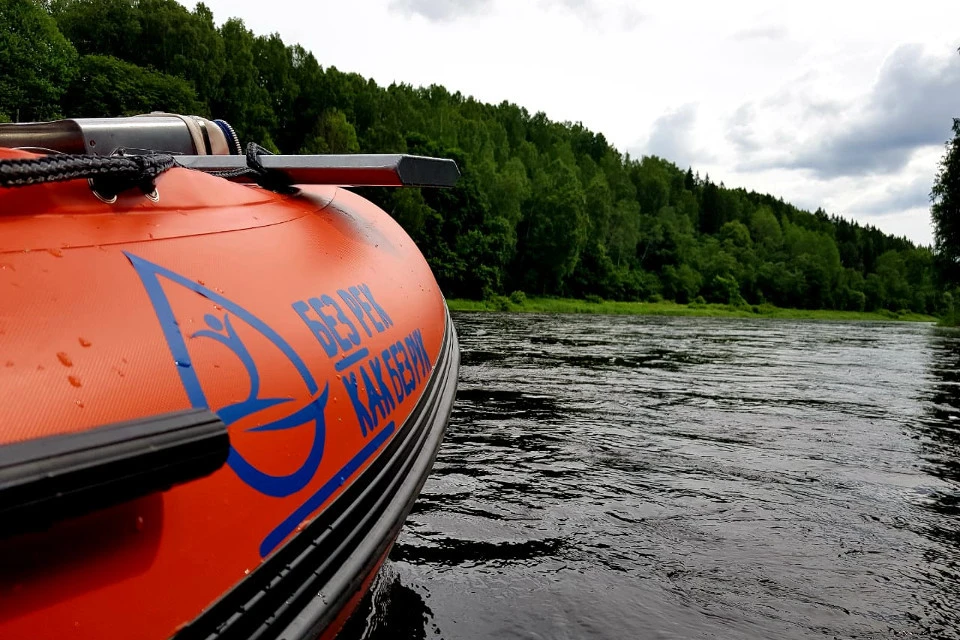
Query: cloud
[672, 137]
[740, 129]
[630, 18]
[623, 15]
[897, 198]
[440, 10]
[910, 106]
[771, 32]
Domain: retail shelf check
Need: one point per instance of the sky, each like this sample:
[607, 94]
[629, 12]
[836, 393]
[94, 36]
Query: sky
[844, 105]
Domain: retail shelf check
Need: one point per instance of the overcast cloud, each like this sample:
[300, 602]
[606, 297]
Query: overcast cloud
[439, 10]
[910, 106]
[672, 136]
[843, 105]
[760, 32]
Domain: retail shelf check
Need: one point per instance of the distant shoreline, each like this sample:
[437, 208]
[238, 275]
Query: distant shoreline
[569, 305]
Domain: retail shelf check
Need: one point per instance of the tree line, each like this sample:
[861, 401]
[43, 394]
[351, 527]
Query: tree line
[543, 207]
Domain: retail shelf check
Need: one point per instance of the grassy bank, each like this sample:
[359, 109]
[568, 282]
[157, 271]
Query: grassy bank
[566, 305]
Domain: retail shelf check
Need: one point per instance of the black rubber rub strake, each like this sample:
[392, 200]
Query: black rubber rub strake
[49, 479]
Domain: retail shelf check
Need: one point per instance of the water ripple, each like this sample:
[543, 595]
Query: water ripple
[614, 477]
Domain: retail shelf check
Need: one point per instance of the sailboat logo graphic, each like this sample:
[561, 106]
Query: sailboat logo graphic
[222, 329]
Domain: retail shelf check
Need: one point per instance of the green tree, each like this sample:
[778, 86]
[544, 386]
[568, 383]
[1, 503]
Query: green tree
[556, 227]
[106, 27]
[182, 43]
[765, 230]
[946, 209]
[108, 87]
[38, 63]
[332, 134]
[241, 100]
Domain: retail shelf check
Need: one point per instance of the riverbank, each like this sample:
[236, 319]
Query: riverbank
[567, 305]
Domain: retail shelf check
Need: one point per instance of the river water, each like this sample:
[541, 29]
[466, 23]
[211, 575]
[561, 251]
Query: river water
[640, 477]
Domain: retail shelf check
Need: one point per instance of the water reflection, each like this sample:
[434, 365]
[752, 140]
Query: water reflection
[940, 437]
[942, 425]
[391, 610]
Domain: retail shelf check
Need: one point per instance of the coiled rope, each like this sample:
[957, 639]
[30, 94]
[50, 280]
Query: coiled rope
[110, 174]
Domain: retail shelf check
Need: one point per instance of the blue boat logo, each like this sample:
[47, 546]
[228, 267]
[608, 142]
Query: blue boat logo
[220, 328]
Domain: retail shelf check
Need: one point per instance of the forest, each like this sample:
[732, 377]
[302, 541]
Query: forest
[547, 208]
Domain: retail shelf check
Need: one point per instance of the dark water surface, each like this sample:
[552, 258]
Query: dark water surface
[623, 477]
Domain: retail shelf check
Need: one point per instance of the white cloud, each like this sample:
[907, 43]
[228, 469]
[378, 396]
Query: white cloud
[910, 106]
[761, 32]
[440, 10]
[896, 196]
[673, 137]
[600, 15]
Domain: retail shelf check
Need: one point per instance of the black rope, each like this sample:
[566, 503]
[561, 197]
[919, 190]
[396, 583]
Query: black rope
[266, 178]
[110, 174]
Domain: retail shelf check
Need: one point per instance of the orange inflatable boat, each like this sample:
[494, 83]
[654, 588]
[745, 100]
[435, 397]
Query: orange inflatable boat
[223, 381]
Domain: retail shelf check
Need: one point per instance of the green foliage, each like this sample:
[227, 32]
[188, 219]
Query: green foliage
[106, 86]
[108, 27]
[332, 134]
[946, 209]
[36, 61]
[544, 207]
[951, 314]
[765, 230]
[667, 308]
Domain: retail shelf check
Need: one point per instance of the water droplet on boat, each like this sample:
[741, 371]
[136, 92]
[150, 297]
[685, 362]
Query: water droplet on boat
[40, 367]
[123, 360]
[183, 363]
[246, 572]
[64, 359]
[78, 403]
[139, 523]
[74, 380]
[84, 342]
[9, 363]
[218, 307]
[201, 283]
[56, 253]
[6, 266]
[150, 235]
